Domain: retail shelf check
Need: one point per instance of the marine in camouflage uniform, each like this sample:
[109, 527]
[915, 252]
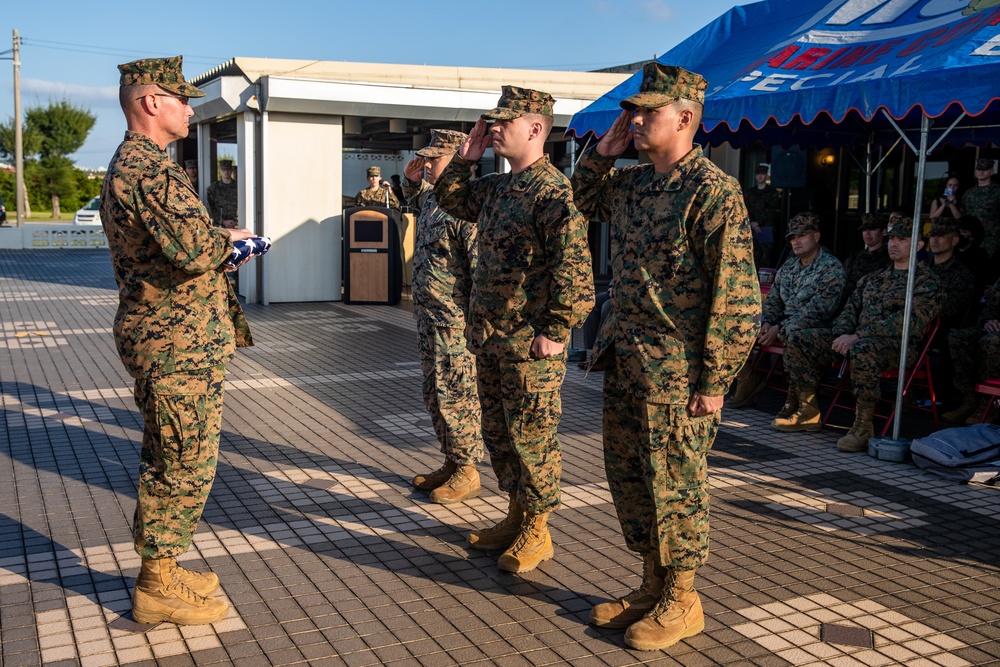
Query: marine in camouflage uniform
[685, 311]
[178, 324]
[983, 202]
[764, 209]
[223, 198]
[375, 196]
[443, 262]
[533, 284]
[873, 314]
[804, 295]
[864, 261]
[975, 352]
[955, 280]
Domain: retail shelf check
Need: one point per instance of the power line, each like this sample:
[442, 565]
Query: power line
[107, 51]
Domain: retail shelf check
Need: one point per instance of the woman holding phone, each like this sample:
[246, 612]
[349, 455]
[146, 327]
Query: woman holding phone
[946, 206]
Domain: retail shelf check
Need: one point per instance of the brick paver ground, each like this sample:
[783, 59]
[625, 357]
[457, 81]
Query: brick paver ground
[328, 557]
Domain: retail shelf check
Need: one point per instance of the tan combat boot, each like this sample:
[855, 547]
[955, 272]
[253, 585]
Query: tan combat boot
[202, 583]
[966, 408]
[677, 615]
[503, 534]
[806, 418]
[433, 480]
[857, 438]
[533, 545]
[625, 611]
[746, 388]
[791, 405]
[462, 485]
[160, 595]
[977, 414]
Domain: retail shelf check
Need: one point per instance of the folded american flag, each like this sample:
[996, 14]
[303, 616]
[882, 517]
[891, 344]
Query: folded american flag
[256, 245]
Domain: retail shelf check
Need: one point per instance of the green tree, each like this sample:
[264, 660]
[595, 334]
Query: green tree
[63, 129]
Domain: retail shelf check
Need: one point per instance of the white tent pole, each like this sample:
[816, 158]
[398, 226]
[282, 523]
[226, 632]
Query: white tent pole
[925, 124]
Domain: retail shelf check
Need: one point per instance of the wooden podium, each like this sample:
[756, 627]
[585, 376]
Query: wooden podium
[372, 262]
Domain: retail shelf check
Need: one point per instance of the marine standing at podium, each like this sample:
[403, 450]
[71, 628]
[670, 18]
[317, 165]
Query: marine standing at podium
[533, 283]
[443, 261]
[374, 194]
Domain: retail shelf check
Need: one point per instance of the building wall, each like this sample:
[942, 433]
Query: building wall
[302, 158]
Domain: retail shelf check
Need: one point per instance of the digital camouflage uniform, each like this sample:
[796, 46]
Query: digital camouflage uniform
[805, 297]
[875, 313]
[956, 286]
[764, 208]
[444, 259]
[974, 351]
[178, 323]
[375, 197]
[983, 202]
[223, 201]
[685, 312]
[862, 262]
[533, 277]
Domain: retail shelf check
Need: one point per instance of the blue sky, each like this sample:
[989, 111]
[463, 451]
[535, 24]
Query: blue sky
[70, 49]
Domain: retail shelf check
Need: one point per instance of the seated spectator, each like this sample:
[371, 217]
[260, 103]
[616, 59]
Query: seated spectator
[976, 356]
[873, 257]
[595, 320]
[868, 331]
[955, 280]
[806, 294]
[970, 252]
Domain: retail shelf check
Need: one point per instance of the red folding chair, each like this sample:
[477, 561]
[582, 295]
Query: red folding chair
[990, 388]
[917, 376]
[772, 356]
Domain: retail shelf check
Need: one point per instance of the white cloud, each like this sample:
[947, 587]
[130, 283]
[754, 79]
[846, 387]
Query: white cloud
[74, 93]
[656, 10]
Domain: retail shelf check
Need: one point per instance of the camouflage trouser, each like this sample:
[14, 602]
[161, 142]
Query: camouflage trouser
[976, 355]
[450, 392]
[182, 416]
[808, 354]
[656, 459]
[521, 410]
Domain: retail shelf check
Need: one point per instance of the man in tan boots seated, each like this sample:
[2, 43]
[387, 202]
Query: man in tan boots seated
[806, 294]
[178, 323]
[868, 331]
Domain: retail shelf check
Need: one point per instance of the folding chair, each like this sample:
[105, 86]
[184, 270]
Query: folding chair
[990, 388]
[775, 368]
[917, 376]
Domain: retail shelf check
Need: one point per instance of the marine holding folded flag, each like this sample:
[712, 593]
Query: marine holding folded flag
[533, 283]
[684, 315]
[178, 323]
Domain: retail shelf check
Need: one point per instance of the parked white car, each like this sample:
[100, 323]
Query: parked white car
[89, 214]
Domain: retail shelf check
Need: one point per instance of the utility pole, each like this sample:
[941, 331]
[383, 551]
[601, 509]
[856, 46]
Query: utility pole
[18, 138]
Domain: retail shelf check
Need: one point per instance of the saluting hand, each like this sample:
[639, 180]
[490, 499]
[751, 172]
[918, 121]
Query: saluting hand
[475, 146]
[618, 137]
[414, 170]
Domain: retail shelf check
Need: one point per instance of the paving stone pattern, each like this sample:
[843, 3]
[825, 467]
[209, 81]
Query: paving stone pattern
[328, 557]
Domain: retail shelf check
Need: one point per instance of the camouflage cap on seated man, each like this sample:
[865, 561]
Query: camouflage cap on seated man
[870, 221]
[943, 226]
[663, 84]
[984, 163]
[443, 142]
[516, 102]
[803, 223]
[163, 72]
[901, 227]
[374, 171]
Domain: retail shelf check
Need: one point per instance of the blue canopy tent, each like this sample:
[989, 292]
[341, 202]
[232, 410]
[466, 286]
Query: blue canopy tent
[840, 72]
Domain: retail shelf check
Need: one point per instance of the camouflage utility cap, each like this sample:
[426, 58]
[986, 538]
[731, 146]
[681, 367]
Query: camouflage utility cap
[901, 227]
[761, 169]
[225, 164]
[443, 142]
[663, 84]
[516, 102]
[871, 221]
[803, 223]
[163, 72]
[190, 164]
[374, 171]
[984, 163]
[944, 226]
